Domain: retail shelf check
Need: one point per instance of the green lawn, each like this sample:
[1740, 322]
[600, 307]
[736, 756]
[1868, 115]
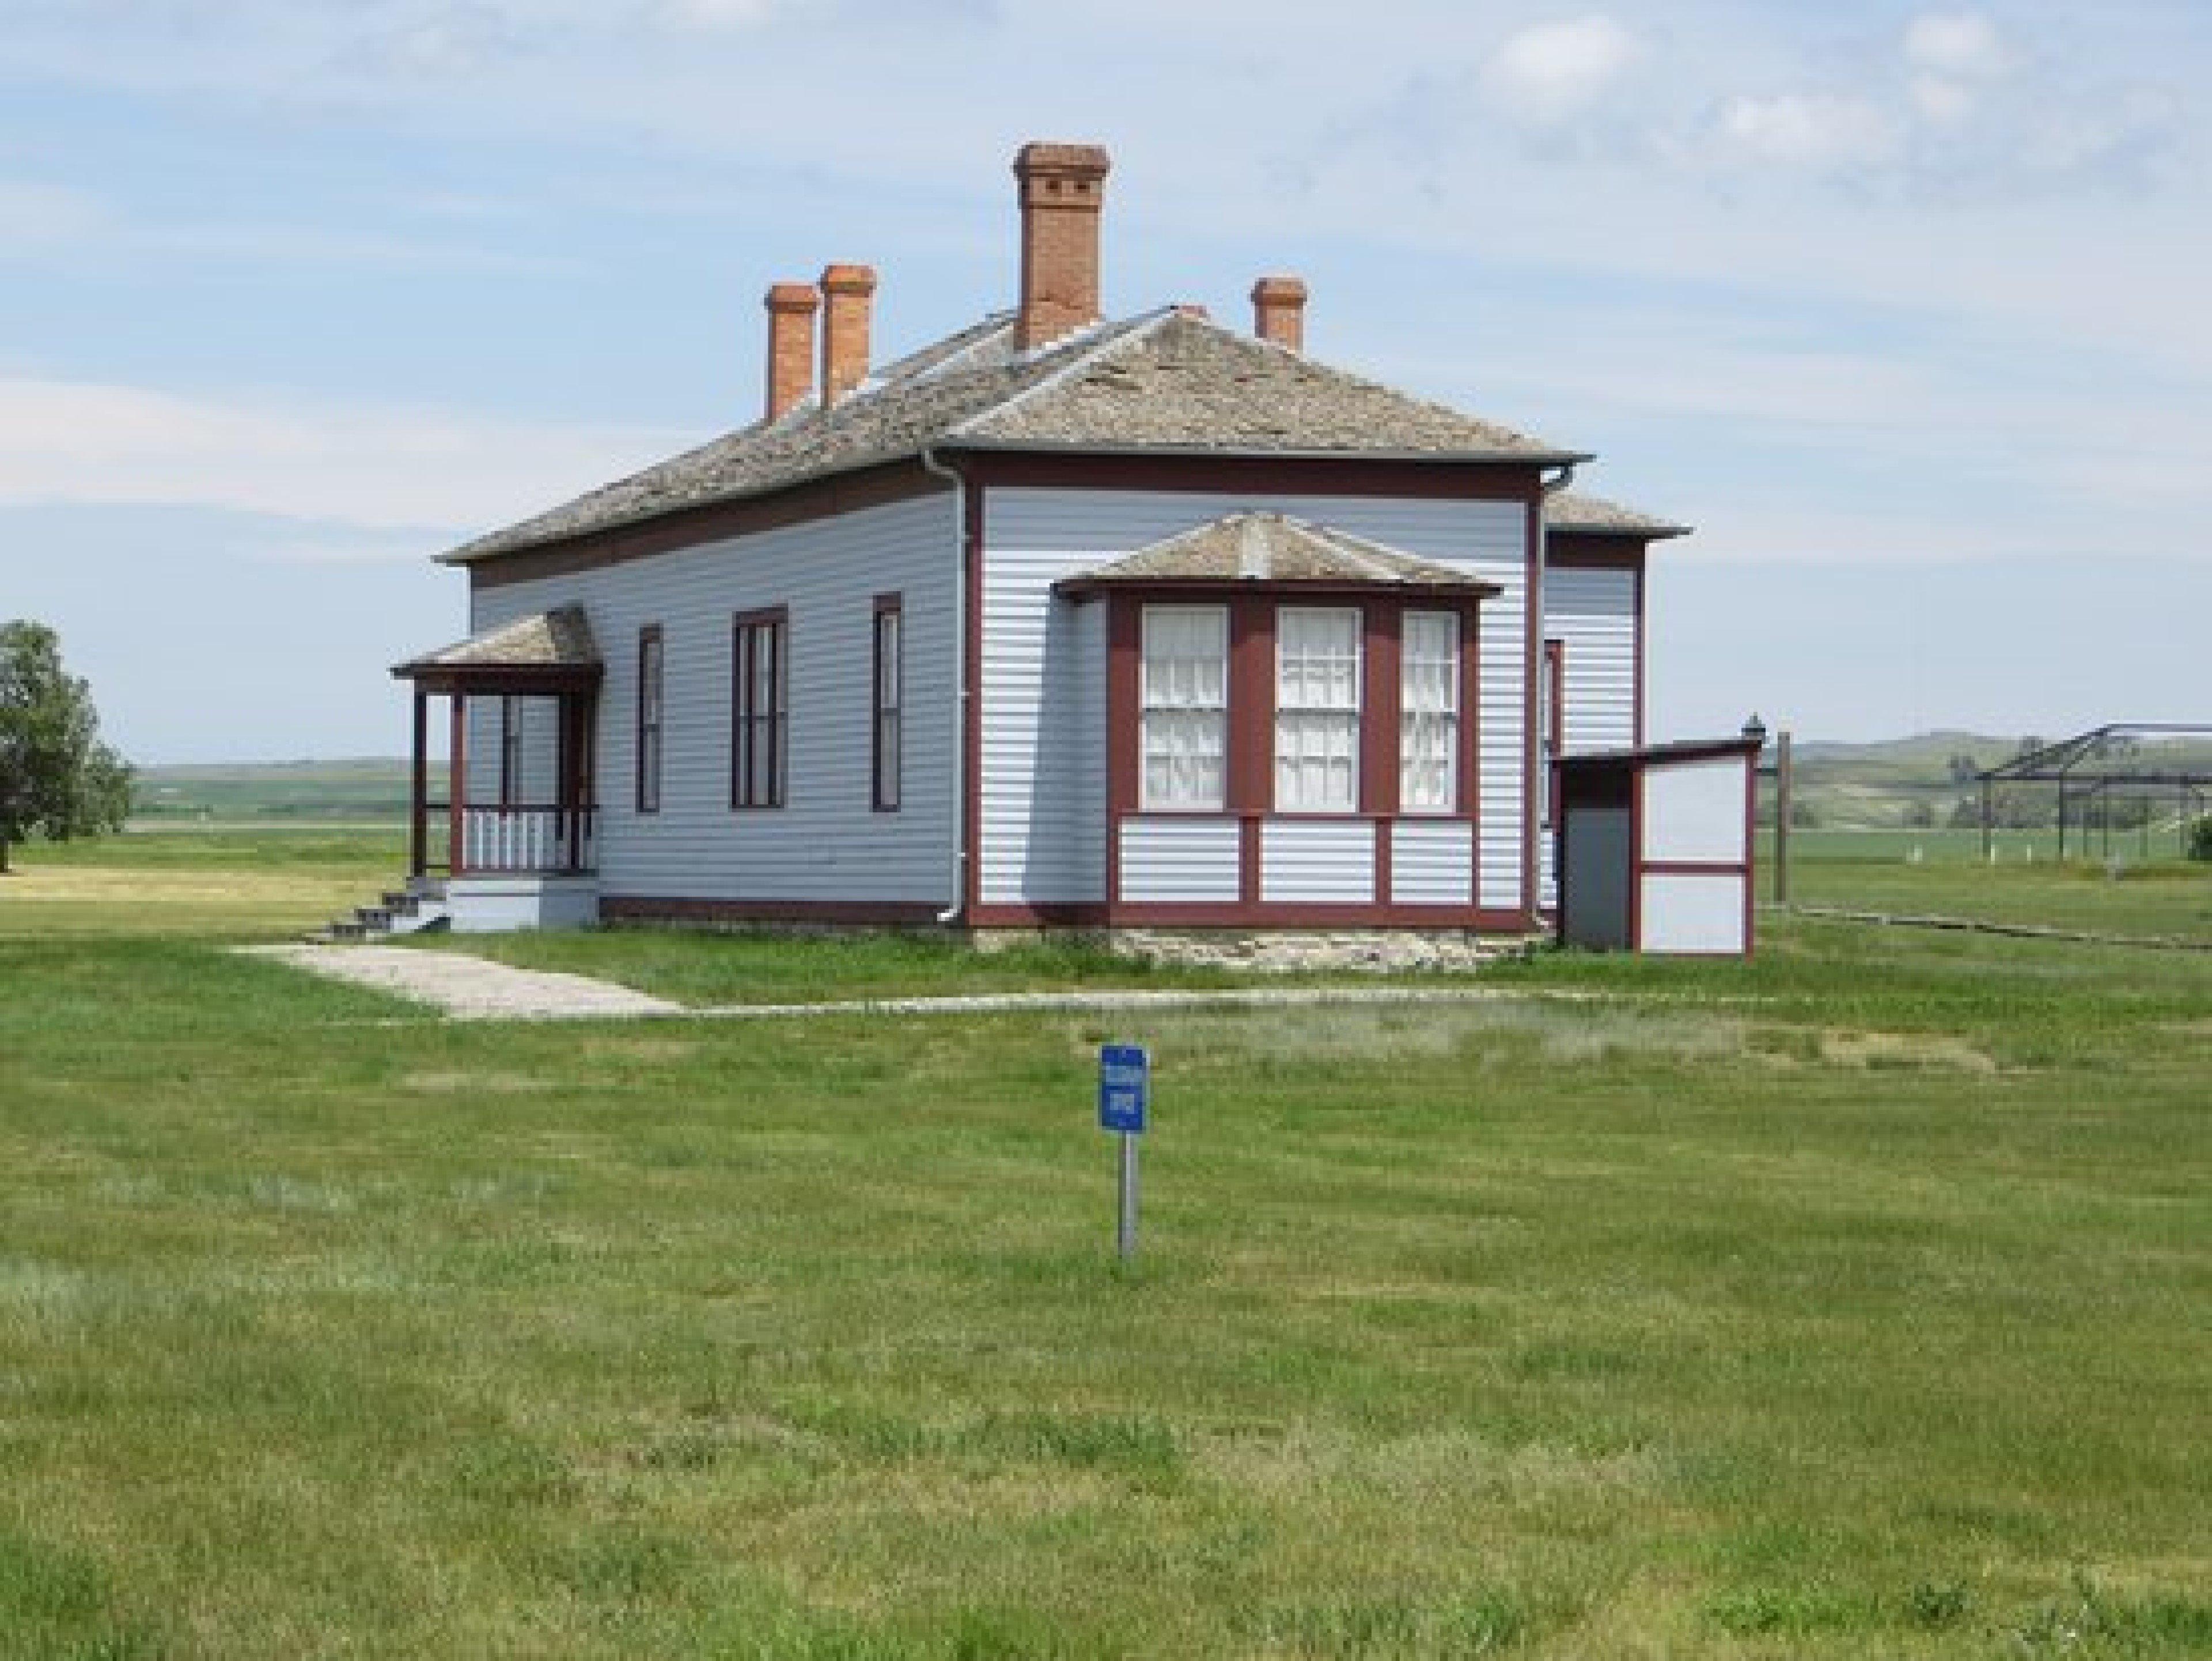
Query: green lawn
[236, 883]
[1848, 1302]
[1936, 873]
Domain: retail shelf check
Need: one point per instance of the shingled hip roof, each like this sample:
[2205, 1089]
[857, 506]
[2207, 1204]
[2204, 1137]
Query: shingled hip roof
[1276, 549]
[559, 640]
[1589, 515]
[1165, 382]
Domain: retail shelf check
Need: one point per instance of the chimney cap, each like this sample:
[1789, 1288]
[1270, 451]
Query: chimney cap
[1279, 290]
[848, 279]
[1042, 156]
[793, 297]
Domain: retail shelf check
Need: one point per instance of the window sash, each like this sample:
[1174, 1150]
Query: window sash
[1184, 718]
[890, 706]
[1428, 722]
[762, 675]
[650, 666]
[1318, 652]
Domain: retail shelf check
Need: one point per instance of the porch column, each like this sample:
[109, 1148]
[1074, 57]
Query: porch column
[458, 787]
[569, 773]
[418, 826]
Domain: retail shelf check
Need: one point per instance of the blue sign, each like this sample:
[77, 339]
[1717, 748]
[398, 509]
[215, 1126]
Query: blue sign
[1124, 1087]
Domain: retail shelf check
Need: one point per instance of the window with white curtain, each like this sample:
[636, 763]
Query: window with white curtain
[1186, 707]
[1316, 710]
[1428, 722]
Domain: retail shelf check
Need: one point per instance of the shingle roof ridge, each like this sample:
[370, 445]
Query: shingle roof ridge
[1376, 554]
[1106, 337]
[1307, 380]
[939, 356]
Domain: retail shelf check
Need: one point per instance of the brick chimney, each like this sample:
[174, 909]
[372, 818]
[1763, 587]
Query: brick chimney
[1278, 312]
[1063, 187]
[846, 292]
[791, 308]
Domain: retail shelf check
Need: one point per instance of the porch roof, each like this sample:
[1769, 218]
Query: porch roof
[1275, 547]
[552, 647]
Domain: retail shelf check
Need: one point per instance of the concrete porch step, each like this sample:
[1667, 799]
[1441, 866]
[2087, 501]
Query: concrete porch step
[400, 911]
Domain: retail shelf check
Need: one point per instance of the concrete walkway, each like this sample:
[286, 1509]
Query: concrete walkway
[476, 989]
[471, 988]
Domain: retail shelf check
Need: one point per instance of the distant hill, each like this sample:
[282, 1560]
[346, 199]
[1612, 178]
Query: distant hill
[1924, 779]
[296, 792]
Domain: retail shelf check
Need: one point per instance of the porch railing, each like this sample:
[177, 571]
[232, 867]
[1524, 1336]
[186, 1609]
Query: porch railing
[534, 840]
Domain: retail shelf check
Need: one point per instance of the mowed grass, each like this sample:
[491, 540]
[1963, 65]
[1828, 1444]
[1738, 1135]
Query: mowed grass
[1847, 1302]
[2163, 897]
[242, 883]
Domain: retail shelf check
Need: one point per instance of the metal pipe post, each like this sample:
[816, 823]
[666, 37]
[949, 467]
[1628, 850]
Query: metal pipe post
[1781, 818]
[1126, 1238]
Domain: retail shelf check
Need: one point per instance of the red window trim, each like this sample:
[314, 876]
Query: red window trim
[748, 725]
[652, 650]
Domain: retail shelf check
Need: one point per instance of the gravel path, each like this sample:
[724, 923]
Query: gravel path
[472, 988]
[476, 989]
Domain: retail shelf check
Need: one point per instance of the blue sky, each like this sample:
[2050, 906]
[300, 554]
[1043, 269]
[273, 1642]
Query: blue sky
[1902, 306]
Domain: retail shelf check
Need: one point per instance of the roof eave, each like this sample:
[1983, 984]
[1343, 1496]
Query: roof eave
[1638, 533]
[1081, 587]
[1544, 457]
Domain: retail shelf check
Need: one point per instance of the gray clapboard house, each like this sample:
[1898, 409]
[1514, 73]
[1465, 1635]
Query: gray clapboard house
[1060, 621]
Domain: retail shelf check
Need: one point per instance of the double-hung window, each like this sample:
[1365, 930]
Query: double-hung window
[1185, 698]
[1428, 720]
[649, 658]
[760, 714]
[1318, 652]
[889, 704]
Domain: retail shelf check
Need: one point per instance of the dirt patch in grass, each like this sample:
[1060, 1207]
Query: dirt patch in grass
[1912, 1049]
[1856, 1048]
[479, 1083]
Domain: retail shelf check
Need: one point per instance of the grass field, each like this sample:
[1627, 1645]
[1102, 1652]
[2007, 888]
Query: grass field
[1847, 1302]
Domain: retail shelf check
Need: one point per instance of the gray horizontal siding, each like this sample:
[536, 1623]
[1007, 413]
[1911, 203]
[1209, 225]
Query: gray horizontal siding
[1036, 537]
[826, 844]
[1592, 614]
[1317, 860]
[1432, 864]
[1043, 788]
[1180, 860]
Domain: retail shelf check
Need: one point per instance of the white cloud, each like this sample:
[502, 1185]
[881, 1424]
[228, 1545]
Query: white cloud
[718, 14]
[34, 216]
[1941, 102]
[1811, 129]
[371, 468]
[1555, 71]
[1964, 45]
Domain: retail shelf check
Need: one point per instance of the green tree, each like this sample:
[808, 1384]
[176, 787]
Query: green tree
[2200, 840]
[57, 778]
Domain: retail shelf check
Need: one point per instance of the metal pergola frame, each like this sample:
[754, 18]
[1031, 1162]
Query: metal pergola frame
[2080, 767]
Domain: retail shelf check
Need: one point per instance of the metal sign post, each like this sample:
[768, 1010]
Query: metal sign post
[1125, 1089]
